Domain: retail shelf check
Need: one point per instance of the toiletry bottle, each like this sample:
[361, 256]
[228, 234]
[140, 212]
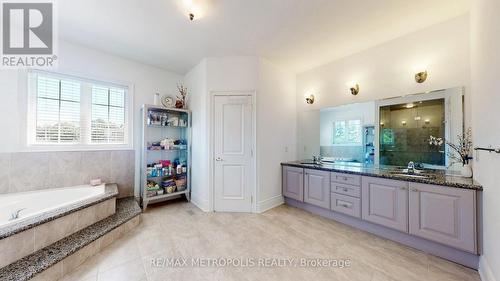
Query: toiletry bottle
[157, 99]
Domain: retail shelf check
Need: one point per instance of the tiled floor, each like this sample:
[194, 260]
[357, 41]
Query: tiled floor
[179, 229]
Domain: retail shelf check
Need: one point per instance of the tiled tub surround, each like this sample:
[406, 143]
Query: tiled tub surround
[30, 235]
[26, 171]
[62, 257]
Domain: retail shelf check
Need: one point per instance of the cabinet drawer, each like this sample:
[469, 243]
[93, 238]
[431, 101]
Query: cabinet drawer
[345, 204]
[345, 189]
[346, 178]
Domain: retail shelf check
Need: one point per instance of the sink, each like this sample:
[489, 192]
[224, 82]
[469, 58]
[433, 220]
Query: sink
[418, 176]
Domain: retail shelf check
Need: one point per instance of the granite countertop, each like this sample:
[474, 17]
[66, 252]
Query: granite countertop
[110, 190]
[436, 177]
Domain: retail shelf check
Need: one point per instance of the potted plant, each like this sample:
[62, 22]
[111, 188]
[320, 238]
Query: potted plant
[459, 152]
[181, 98]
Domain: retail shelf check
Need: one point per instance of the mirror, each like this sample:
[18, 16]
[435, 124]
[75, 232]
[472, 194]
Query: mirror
[393, 131]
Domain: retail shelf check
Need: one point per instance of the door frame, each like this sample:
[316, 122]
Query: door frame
[211, 160]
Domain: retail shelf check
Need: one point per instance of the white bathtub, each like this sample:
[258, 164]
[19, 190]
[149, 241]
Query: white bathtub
[35, 203]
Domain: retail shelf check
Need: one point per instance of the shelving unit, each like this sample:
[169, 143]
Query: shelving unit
[160, 123]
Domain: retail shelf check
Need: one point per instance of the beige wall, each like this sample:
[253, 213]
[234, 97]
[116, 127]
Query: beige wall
[485, 77]
[385, 71]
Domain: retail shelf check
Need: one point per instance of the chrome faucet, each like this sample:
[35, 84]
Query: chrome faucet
[14, 215]
[411, 167]
[317, 159]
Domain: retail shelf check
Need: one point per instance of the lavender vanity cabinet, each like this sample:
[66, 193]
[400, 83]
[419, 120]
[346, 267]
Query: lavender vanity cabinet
[293, 183]
[444, 214]
[385, 202]
[317, 188]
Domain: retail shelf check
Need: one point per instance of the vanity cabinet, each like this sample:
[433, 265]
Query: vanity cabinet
[385, 202]
[317, 188]
[293, 183]
[443, 214]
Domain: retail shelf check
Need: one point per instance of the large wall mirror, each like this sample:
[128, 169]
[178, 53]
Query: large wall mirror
[393, 131]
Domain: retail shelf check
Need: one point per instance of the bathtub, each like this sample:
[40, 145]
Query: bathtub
[34, 203]
[50, 215]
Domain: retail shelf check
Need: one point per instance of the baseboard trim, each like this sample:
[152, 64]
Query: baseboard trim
[270, 203]
[485, 270]
[433, 248]
[201, 204]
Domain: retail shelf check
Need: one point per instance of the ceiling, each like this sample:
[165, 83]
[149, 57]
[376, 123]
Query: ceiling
[297, 34]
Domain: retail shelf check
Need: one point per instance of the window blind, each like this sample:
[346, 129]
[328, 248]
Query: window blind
[108, 115]
[71, 111]
[58, 111]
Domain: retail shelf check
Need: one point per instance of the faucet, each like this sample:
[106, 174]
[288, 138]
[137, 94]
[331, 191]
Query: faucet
[411, 167]
[317, 159]
[14, 215]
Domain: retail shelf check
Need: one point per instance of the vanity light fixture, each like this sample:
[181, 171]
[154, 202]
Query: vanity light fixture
[409, 105]
[309, 99]
[354, 88]
[421, 77]
[427, 121]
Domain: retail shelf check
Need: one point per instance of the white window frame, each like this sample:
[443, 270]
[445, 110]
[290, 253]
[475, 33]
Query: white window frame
[85, 114]
[346, 122]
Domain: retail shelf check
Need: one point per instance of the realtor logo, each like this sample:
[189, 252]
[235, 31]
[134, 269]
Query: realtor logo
[28, 34]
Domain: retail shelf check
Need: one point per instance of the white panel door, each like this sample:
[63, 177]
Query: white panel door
[233, 141]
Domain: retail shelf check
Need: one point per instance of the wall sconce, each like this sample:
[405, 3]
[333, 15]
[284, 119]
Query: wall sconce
[309, 99]
[421, 77]
[403, 123]
[427, 121]
[354, 87]
[382, 124]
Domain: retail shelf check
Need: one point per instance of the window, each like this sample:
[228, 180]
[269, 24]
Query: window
[108, 115]
[58, 111]
[66, 111]
[347, 132]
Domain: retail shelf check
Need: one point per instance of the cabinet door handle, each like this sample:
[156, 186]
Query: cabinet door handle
[345, 189]
[414, 190]
[344, 204]
[402, 188]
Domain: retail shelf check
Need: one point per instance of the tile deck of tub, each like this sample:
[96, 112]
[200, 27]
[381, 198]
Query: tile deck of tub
[29, 266]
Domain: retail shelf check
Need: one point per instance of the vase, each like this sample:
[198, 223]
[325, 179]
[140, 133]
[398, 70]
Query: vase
[466, 171]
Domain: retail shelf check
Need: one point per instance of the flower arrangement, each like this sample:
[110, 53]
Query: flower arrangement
[460, 152]
[181, 99]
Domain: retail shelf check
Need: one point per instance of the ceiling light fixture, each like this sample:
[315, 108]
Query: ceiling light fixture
[193, 8]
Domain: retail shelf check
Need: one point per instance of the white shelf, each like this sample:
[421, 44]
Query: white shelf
[167, 195]
[150, 133]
